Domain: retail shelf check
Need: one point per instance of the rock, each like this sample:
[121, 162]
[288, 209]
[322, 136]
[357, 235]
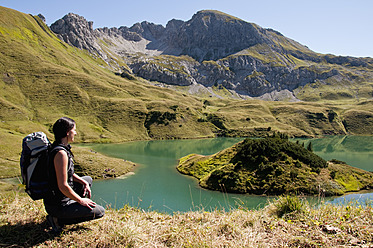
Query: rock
[213, 49]
[78, 32]
[148, 31]
[42, 17]
[330, 229]
[283, 95]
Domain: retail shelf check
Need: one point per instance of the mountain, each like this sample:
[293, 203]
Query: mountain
[274, 166]
[214, 49]
[43, 78]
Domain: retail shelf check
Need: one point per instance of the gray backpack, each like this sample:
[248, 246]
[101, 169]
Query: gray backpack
[34, 165]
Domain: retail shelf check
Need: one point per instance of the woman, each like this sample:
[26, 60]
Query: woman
[70, 201]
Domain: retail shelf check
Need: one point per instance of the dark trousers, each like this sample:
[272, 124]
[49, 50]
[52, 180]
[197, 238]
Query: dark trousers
[72, 212]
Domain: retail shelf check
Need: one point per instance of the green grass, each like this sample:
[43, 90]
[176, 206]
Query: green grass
[228, 18]
[89, 162]
[286, 205]
[22, 223]
[43, 78]
[273, 166]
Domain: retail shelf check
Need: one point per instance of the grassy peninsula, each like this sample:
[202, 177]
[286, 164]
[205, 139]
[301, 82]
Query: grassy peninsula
[274, 166]
[43, 78]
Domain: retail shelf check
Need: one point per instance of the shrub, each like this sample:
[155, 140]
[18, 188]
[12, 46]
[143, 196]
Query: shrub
[159, 118]
[332, 174]
[216, 120]
[271, 149]
[298, 164]
[285, 205]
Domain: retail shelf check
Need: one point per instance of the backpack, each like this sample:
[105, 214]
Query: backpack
[34, 165]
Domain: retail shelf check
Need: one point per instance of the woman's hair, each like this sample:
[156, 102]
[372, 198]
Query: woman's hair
[61, 127]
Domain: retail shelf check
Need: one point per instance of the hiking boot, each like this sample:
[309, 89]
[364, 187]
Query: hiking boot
[53, 222]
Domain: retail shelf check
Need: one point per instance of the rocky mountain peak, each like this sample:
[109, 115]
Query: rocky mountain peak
[208, 35]
[76, 31]
[147, 30]
[71, 22]
[222, 51]
[215, 15]
[212, 35]
[174, 24]
[42, 17]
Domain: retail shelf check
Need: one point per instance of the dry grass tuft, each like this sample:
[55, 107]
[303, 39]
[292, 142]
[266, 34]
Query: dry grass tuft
[22, 223]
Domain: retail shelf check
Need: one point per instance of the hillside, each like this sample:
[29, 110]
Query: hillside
[284, 222]
[214, 49]
[43, 78]
[274, 166]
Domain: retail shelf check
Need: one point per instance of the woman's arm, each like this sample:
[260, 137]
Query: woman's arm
[61, 161]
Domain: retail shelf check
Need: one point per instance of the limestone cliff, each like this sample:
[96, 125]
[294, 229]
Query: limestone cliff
[216, 49]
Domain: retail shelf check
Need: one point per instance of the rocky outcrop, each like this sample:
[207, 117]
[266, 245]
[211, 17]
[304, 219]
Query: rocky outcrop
[77, 31]
[42, 17]
[212, 35]
[213, 49]
[243, 74]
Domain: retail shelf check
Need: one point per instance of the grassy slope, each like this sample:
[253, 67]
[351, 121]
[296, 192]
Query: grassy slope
[286, 222]
[43, 79]
[273, 166]
[35, 65]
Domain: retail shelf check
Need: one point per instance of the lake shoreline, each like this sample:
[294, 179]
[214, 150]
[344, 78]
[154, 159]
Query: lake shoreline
[136, 185]
[182, 193]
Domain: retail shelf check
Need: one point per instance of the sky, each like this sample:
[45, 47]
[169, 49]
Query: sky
[339, 27]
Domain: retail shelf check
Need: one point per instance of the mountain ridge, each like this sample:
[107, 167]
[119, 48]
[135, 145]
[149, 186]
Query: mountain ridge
[216, 49]
[44, 78]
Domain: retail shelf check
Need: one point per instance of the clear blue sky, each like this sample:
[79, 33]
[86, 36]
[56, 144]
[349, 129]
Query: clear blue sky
[340, 27]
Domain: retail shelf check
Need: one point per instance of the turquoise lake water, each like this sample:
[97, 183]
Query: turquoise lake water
[156, 184]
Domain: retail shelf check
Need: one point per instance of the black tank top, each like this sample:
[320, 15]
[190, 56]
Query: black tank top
[57, 197]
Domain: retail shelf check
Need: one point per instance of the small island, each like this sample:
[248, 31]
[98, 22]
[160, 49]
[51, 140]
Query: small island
[274, 166]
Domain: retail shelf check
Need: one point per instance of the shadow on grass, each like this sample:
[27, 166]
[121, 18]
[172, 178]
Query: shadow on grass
[24, 235]
[28, 234]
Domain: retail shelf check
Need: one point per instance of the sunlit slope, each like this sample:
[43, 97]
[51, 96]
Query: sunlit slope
[43, 78]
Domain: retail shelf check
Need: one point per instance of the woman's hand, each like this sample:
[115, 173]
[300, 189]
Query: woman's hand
[86, 188]
[86, 191]
[87, 203]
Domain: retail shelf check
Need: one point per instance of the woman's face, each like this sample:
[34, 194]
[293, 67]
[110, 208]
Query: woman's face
[71, 134]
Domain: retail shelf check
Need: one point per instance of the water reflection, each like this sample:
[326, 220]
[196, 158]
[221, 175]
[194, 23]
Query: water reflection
[356, 151]
[360, 199]
[157, 185]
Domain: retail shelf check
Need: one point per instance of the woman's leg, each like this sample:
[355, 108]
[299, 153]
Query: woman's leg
[72, 212]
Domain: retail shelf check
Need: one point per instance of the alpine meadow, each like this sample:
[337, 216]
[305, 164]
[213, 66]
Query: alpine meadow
[149, 82]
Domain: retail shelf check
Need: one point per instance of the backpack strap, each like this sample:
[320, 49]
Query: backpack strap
[56, 148]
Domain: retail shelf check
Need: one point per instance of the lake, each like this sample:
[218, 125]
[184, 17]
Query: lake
[157, 185]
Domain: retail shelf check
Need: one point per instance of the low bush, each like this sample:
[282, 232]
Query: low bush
[286, 205]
